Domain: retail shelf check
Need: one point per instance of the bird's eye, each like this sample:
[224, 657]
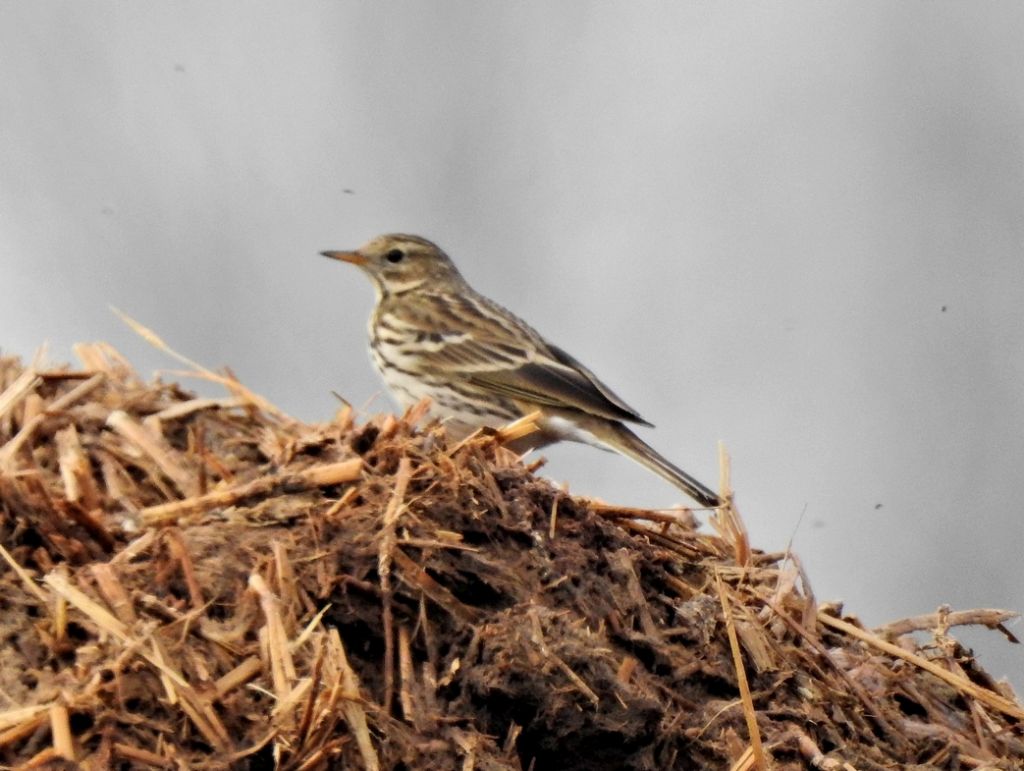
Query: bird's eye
[395, 255]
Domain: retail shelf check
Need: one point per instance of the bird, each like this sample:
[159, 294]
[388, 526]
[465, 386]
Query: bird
[433, 336]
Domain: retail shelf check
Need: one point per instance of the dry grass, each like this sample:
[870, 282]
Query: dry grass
[208, 583]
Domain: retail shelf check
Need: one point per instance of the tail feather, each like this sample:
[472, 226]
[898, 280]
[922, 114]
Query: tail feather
[621, 439]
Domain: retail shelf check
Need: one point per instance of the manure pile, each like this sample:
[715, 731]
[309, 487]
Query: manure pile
[207, 583]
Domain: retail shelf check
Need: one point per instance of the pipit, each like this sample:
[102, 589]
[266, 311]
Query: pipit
[433, 336]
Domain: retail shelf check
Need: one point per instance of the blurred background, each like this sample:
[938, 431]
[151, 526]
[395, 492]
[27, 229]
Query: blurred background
[796, 228]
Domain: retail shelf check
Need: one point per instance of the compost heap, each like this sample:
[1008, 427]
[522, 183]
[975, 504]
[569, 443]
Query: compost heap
[207, 583]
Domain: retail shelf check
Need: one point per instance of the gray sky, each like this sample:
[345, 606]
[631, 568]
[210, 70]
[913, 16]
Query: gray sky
[793, 227]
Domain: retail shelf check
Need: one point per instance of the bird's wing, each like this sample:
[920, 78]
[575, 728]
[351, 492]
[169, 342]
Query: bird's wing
[486, 345]
[548, 382]
[595, 383]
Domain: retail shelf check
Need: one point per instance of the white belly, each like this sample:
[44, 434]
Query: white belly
[445, 405]
[406, 389]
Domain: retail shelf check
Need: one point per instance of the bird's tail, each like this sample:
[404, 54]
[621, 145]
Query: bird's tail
[622, 440]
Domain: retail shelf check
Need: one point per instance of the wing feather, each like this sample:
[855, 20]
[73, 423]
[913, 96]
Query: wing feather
[482, 343]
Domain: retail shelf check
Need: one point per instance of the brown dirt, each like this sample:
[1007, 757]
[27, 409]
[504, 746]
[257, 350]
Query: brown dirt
[211, 584]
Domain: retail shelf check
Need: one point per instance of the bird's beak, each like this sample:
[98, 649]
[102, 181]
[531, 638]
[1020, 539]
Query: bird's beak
[354, 257]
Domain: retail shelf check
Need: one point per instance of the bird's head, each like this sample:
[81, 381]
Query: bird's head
[399, 263]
